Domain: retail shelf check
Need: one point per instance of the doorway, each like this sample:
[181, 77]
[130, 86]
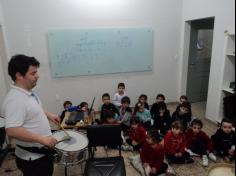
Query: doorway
[200, 54]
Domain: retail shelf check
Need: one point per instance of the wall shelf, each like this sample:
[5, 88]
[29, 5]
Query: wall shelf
[228, 90]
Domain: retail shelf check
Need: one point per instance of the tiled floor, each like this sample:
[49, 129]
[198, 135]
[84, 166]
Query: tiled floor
[195, 169]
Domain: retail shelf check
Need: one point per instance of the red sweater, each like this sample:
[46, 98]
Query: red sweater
[191, 139]
[174, 144]
[153, 156]
[139, 135]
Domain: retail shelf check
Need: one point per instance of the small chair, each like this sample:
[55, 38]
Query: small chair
[104, 135]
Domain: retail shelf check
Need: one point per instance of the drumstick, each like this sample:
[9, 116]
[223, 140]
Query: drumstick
[65, 138]
[63, 129]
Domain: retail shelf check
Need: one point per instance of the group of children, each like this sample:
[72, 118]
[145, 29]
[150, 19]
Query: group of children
[156, 134]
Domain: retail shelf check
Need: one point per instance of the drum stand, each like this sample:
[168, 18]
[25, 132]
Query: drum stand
[66, 168]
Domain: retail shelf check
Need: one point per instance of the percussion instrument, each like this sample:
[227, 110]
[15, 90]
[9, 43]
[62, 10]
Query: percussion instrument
[73, 151]
[222, 170]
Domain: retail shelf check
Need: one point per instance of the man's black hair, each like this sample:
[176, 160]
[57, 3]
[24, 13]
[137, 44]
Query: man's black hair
[20, 64]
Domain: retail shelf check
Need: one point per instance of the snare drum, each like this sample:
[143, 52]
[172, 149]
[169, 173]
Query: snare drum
[73, 151]
[222, 170]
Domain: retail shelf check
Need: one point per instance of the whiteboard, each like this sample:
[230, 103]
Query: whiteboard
[75, 52]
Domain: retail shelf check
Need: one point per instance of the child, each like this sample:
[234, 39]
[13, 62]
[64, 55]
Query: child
[142, 99]
[152, 155]
[144, 116]
[183, 115]
[162, 119]
[182, 100]
[66, 105]
[198, 142]
[110, 118]
[155, 106]
[174, 144]
[125, 114]
[119, 95]
[108, 106]
[137, 135]
[224, 140]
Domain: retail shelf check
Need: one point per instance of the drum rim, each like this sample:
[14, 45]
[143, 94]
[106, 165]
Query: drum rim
[218, 165]
[84, 149]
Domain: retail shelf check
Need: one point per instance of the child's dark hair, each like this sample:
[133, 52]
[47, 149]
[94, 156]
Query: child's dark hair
[121, 85]
[154, 135]
[197, 122]
[125, 100]
[105, 95]
[67, 103]
[162, 105]
[143, 96]
[108, 114]
[186, 105]
[227, 120]
[184, 97]
[177, 125]
[161, 96]
[83, 104]
[20, 64]
[134, 120]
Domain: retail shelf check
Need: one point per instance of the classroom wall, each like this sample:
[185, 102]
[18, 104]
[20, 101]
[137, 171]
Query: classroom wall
[224, 13]
[27, 23]
[3, 88]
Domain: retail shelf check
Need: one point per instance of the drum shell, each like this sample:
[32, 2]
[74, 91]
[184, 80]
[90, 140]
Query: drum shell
[66, 157]
[71, 158]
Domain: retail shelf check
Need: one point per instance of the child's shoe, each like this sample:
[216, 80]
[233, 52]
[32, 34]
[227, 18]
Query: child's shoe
[205, 161]
[212, 157]
[191, 153]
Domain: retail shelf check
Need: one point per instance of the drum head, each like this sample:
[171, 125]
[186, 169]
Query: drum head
[77, 142]
[221, 170]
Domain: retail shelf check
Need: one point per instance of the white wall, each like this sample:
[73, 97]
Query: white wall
[3, 87]
[224, 13]
[27, 23]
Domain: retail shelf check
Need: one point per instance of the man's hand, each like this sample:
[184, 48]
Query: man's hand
[48, 141]
[53, 117]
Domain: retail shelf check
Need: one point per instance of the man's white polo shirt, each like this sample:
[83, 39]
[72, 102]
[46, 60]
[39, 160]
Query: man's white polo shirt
[23, 109]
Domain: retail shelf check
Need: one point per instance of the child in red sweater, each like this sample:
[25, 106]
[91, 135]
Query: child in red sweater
[152, 155]
[174, 144]
[198, 142]
[137, 135]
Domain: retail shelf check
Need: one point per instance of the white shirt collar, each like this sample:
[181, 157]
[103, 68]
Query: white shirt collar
[29, 93]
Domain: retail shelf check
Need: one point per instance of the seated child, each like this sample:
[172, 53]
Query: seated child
[144, 116]
[108, 106]
[162, 119]
[155, 106]
[224, 140]
[183, 115]
[142, 99]
[174, 144]
[110, 118]
[66, 105]
[125, 114]
[137, 135]
[198, 142]
[182, 100]
[119, 95]
[152, 155]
